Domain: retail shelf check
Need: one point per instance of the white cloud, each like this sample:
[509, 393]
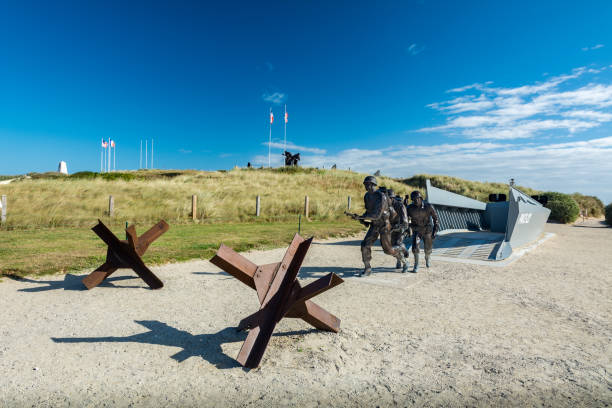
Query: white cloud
[589, 114]
[595, 47]
[528, 110]
[295, 148]
[414, 49]
[478, 86]
[276, 98]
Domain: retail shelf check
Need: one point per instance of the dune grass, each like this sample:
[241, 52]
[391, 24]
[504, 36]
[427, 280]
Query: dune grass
[60, 201]
[473, 189]
[592, 205]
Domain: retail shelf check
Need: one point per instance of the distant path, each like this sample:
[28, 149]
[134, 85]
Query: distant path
[7, 181]
[538, 332]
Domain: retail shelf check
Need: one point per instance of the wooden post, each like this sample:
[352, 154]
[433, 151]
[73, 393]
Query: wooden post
[257, 206]
[111, 206]
[349, 203]
[3, 205]
[306, 202]
[194, 207]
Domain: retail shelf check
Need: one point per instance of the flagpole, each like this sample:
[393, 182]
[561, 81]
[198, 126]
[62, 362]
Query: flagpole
[285, 118]
[152, 141]
[270, 138]
[146, 154]
[108, 169]
[101, 156]
[115, 158]
[140, 166]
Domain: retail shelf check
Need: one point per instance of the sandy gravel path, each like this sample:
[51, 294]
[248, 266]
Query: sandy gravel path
[537, 332]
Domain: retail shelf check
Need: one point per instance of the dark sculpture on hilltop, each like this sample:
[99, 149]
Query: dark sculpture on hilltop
[291, 159]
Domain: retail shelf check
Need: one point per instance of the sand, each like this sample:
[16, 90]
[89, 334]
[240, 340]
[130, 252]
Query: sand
[536, 332]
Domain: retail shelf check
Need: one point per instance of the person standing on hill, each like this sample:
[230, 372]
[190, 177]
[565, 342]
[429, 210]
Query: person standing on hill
[376, 217]
[421, 215]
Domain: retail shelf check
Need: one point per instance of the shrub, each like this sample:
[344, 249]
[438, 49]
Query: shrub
[609, 214]
[563, 207]
[47, 175]
[84, 175]
[117, 176]
[591, 204]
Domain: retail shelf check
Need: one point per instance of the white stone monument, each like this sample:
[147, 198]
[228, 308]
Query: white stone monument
[62, 168]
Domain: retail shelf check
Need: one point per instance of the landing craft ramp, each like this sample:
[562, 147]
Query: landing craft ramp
[468, 245]
[477, 231]
[464, 244]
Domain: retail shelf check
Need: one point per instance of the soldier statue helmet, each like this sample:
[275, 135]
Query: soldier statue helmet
[415, 195]
[369, 183]
[370, 180]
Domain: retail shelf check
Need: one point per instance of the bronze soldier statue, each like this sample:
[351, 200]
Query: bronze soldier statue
[399, 225]
[376, 217]
[419, 213]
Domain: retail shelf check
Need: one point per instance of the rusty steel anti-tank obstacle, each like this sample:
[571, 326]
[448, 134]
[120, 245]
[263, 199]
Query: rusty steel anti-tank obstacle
[280, 295]
[126, 254]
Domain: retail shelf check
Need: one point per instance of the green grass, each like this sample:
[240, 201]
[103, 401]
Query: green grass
[45, 251]
[52, 200]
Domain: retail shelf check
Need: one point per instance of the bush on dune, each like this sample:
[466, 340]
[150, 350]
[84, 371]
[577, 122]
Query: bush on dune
[609, 214]
[593, 205]
[563, 208]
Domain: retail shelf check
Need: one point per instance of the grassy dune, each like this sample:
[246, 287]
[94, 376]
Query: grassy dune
[151, 196]
[50, 215]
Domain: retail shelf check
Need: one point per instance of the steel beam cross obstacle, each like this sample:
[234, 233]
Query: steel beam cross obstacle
[280, 295]
[126, 254]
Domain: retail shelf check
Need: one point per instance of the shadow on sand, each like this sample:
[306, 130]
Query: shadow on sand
[343, 272]
[597, 224]
[71, 282]
[207, 346]
[219, 273]
[347, 243]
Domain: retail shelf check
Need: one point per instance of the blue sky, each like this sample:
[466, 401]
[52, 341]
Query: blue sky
[478, 89]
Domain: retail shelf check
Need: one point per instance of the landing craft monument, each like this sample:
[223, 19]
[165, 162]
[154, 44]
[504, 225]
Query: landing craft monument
[509, 224]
